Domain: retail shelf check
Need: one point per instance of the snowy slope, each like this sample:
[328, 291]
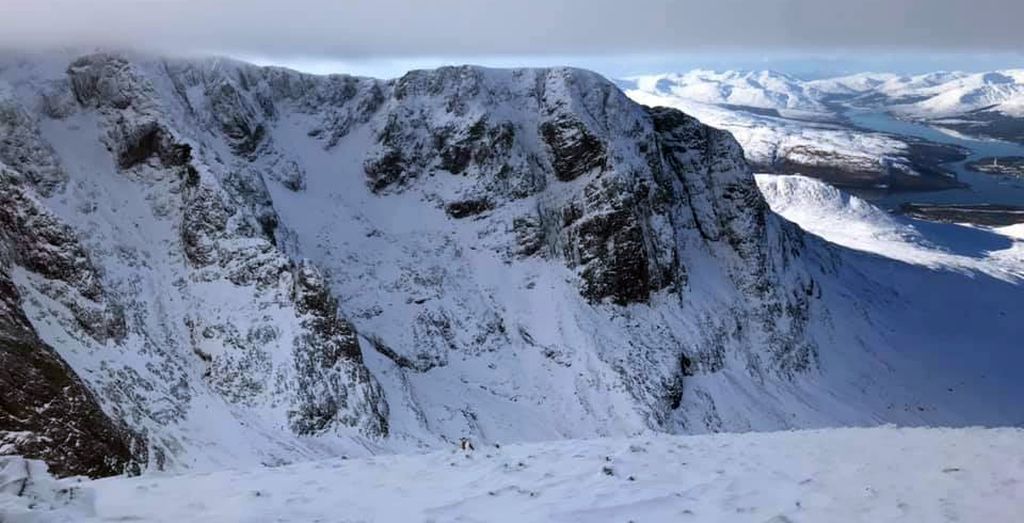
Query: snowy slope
[882, 474]
[858, 83]
[852, 222]
[943, 297]
[215, 334]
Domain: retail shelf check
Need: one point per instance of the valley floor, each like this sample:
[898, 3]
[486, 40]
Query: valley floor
[877, 474]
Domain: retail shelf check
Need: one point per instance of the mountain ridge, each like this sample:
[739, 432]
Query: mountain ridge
[279, 266]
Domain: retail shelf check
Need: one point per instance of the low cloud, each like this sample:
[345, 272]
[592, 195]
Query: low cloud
[409, 28]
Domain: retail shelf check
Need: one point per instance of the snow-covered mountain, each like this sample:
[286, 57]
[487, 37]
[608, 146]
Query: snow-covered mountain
[809, 140]
[933, 95]
[847, 220]
[791, 126]
[930, 95]
[1000, 91]
[752, 89]
[887, 84]
[224, 264]
[936, 95]
[988, 105]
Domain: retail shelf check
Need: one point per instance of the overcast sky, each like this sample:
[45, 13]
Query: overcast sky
[423, 31]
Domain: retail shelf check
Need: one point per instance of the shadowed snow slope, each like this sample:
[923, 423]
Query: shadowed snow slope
[246, 265]
[877, 475]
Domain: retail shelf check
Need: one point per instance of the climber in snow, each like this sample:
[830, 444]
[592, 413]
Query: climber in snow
[465, 444]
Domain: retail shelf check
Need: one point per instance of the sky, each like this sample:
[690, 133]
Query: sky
[808, 65]
[616, 37]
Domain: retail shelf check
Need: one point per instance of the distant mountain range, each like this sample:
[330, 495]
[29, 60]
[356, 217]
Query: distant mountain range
[755, 89]
[928, 96]
[934, 96]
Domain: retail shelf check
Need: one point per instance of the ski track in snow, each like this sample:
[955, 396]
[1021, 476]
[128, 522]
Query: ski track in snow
[872, 475]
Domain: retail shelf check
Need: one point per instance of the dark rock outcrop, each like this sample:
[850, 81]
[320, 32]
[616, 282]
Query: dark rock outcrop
[150, 140]
[333, 385]
[610, 248]
[24, 150]
[33, 238]
[575, 150]
[466, 208]
[46, 412]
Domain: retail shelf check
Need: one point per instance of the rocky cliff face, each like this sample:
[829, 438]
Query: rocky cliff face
[47, 412]
[156, 278]
[251, 264]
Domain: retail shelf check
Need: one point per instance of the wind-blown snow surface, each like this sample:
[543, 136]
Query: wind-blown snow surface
[876, 475]
[280, 267]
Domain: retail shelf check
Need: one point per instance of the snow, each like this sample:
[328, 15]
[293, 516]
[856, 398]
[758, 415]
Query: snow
[559, 367]
[29, 493]
[401, 261]
[880, 474]
[911, 322]
[130, 222]
[852, 222]
[1001, 91]
[936, 95]
[805, 111]
[807, 137]
[951, 324]
[1015, 231]
[885, 83]
[931, 95]
[761, 89]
